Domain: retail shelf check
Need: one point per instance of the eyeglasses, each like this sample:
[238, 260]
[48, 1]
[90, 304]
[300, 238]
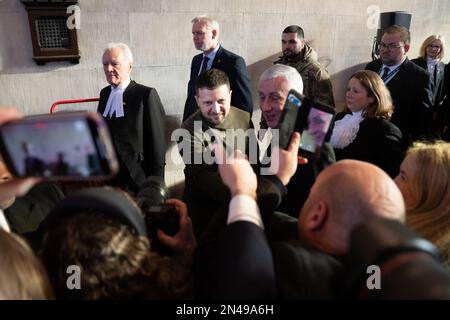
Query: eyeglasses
[390, 46]
[433, 47]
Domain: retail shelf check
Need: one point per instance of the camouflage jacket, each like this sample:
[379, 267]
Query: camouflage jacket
[316, 80]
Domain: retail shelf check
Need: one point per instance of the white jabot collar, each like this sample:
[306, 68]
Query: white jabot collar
[115, 100]
[346, 129]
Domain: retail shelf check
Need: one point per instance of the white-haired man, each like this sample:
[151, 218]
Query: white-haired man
[205, 34]
[273, 89]
[135, 116]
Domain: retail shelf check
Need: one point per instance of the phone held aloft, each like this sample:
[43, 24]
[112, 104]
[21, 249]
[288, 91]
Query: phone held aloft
[310, 118]
[61, 146]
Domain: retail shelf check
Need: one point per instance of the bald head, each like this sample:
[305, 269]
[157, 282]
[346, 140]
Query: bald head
[344, 195]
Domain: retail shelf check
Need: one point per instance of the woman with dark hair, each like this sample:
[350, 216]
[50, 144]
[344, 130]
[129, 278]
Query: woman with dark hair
[364, 132]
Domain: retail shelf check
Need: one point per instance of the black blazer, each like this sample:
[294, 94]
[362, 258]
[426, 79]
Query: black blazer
[234, 66]
[443, 112]
[139, 136]
[437, 80]
[238, 266]
[378, 142]
[412, 94]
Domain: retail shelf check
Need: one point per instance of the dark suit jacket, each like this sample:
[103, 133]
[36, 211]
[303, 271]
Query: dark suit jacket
[234, 261]
[443, 113]
[237, 266]
[139, 136]
[27, 212]
[378, 141]
[305, 273]
[412, 94]
[302, 181]
[241, 264]
[437, 80]
[234, 66]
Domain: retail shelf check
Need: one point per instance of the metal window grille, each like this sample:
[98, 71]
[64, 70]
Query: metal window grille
[53, 32]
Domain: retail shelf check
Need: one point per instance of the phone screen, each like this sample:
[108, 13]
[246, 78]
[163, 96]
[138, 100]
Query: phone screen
[49, 148]
[315, 130]
[290, 118]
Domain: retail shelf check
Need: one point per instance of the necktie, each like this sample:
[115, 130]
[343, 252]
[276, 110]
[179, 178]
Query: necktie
[204, 64]
[385, 73]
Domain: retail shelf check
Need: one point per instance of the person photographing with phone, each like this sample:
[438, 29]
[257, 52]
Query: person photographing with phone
[274, 86]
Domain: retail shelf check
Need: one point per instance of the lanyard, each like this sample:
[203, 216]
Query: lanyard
[390, 75]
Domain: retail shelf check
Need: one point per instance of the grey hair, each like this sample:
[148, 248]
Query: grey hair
[211, 23]
[280, 70]
[125, 49]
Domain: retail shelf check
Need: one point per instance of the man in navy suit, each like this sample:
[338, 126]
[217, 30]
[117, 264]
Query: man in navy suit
[205, 33]
[410, 85]
[135, 117]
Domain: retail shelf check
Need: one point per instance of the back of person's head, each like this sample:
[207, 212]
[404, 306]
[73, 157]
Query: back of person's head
[388, 261]
[211, 23]
[345, 194]
[110, 248]
[212, 79]
[382, 106]
[22, 276]
[280, 70]
[403, 32]
[125, 49]
[430, 185]
[115, 263]
[295, 29]
[428, 41]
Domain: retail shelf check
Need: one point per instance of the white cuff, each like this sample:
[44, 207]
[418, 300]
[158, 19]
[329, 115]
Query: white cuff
[3, 223]
[244, 208]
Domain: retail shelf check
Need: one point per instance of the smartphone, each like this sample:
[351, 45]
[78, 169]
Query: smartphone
[310, 118]
[61, 146]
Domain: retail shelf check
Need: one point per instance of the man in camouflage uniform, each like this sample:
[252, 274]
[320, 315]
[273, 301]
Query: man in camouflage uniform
[298, 54]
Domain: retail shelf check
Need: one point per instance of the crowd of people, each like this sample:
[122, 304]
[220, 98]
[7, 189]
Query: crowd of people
[256, 221]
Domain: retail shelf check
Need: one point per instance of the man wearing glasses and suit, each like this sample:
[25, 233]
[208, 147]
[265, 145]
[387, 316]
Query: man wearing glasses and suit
[410, 86]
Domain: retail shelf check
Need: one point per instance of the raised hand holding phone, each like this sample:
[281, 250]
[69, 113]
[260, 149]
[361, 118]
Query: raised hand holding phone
[63, 146]
[310, 118]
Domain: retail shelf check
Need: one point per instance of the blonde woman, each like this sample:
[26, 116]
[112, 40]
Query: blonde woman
[364, 132]
[430, 58]
[424, 181]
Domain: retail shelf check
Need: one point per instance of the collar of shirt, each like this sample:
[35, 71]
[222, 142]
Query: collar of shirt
[358, 113]
[431, 65]
[432, 61]
[115, 100]
[123, 86]
[394, 66]
[264, 141]
[212, 55]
